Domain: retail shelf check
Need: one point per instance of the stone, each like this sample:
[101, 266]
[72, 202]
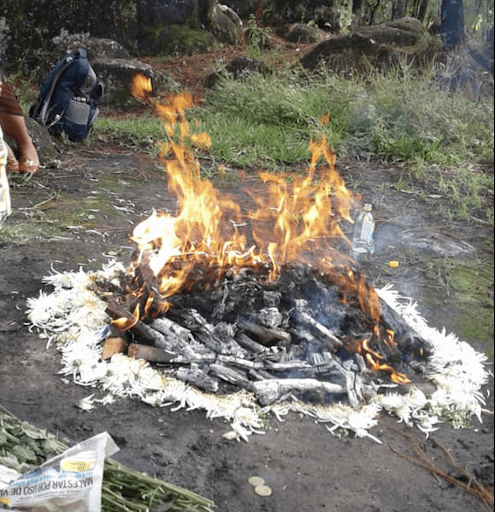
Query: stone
[183, 26]
[42, 140]
[301, 33]
[375, 47]
[243, 8]
[144, 27]
[117, 76]
[232, 15]
[238, 68]
[335, 16]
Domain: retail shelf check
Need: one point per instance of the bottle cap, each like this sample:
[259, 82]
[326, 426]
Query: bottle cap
[393, 264]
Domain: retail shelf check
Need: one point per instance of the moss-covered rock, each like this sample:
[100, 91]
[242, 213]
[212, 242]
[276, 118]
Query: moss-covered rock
[334, 16]
[144, 27]
[163, 39]
[376, 47]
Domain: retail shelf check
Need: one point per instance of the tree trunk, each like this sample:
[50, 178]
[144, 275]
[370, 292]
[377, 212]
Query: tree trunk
[452, 29]
[399, 9]
[423, 7]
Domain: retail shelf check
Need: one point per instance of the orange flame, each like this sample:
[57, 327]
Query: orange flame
[141, 87]
[297, 219]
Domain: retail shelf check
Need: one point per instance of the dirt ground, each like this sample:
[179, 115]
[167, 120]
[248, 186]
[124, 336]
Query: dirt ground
[307, 468]
[79, 213]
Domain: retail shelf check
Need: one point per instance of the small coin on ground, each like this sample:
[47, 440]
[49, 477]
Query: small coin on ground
[263, 490]
[256, 480]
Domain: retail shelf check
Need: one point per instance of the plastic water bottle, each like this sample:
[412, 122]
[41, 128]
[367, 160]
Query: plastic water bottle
[363, 244]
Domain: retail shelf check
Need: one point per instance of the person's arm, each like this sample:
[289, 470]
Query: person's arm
[14, 126]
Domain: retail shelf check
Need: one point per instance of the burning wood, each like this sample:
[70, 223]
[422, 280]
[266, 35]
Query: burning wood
[275, 310]
[283, 316]
[318, 349]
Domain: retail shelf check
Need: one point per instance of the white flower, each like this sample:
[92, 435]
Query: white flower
[86, 404]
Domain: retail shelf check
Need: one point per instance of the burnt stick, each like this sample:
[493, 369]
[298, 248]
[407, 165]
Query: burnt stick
[266, 336]
[150, 354]
[269, 391]
[142, 331]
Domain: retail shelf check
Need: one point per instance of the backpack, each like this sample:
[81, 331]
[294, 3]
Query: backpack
[68, 98]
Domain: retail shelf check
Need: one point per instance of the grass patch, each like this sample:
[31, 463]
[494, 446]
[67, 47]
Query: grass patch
[397, 116]
[268, 121]
[470, 284]
[55, 218]
[140, 133]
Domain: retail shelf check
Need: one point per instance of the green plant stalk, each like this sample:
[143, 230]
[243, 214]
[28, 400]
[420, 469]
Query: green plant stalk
[118, 480]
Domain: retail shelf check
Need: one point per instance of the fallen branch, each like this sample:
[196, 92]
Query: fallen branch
[473, 487]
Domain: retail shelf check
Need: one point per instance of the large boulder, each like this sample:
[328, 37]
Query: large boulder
[334, 15]
[183, 27]
[244, 8]
[144, 27]
[117, 77]
[375, 47]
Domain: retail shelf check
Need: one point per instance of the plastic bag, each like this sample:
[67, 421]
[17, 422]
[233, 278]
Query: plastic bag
[5, 208]
[70, 482]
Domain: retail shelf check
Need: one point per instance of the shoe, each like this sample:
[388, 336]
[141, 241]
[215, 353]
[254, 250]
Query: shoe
[28, 166]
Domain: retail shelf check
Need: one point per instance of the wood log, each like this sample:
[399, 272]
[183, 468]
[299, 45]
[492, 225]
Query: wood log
[260, 375]
[248, 344]
[197, 377]
[266, 336]
[146, 277]
[296, 364]
[113, 345]
[151, 354]
[200, 328]
[232, 376]
[270, 391]
[354, 389]
[142, 331]
[241, 363]
[170, 328]
[193, 358]
[323, 333]
[210, 341]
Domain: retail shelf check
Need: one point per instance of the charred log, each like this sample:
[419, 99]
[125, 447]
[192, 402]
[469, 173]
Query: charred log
[265, 335]
[199, 378]
[150, 354]
[270, 391]
[138, 328]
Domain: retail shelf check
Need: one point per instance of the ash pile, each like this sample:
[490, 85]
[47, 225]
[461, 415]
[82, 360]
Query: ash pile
[309, 335]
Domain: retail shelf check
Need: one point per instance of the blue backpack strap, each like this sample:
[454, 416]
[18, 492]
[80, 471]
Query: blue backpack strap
[43, 114]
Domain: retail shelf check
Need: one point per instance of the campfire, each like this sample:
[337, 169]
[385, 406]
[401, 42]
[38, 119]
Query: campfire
[265, 306]
[266, 301]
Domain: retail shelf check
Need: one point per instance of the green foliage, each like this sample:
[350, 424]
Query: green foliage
[400, 118]
[269, 121]
[139, 132]
[24, 447]
[257, 37]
